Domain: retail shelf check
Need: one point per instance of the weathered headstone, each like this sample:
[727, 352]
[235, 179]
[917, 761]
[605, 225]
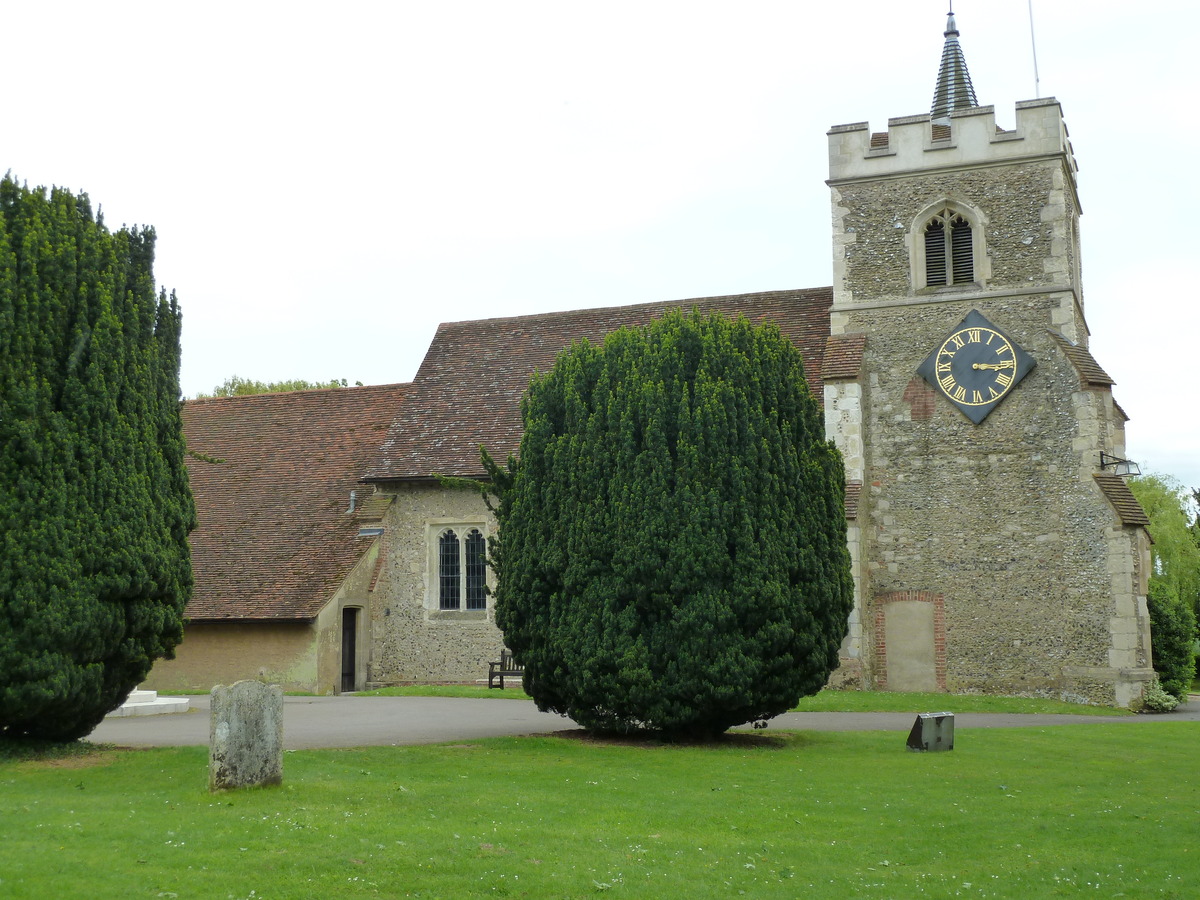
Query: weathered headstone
[932, 731]
[245, 744]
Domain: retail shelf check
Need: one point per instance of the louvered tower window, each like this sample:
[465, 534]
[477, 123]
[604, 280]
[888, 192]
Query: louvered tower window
[949, 250]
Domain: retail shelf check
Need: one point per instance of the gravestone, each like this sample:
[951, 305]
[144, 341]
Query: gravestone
[245, 745]
[932, 731]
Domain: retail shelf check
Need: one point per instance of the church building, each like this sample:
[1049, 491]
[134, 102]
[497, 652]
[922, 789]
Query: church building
[995, 546]
[994, 550]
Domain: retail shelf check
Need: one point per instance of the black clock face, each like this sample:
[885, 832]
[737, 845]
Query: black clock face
[976, 367]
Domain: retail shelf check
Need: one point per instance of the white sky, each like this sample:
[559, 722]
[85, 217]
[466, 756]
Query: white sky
[330, 181]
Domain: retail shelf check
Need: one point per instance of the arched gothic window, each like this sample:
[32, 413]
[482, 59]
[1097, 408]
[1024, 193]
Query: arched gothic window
[949, 250]
[462, 563]
[448, 570]
[476, 570]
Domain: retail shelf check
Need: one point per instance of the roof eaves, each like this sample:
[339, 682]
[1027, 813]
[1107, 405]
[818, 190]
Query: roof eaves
[1090, 373]
[1126, 505]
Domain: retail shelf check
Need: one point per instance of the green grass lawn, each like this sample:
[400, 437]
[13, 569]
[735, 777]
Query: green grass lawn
[1098, 810]
[825, 701]
[886, 701]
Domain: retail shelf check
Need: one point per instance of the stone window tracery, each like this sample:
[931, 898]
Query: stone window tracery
[949, 252]
[947, 247]
[462, 569]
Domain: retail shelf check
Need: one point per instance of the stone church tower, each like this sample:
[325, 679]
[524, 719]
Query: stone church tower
[995, 547]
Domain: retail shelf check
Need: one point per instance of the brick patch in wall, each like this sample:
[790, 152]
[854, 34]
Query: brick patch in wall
[921, 398]
[939, 633]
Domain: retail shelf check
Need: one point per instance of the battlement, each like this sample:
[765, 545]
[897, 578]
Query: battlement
[914, 143]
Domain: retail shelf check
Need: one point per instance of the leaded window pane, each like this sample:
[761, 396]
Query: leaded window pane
[448, 571]
[476, 570]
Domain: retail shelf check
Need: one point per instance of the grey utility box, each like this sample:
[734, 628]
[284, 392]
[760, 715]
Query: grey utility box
[932, 731]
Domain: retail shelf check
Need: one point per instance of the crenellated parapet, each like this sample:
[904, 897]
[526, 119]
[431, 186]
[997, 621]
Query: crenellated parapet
[915, 144]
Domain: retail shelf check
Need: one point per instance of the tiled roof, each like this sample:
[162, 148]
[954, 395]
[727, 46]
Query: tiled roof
[274, 540]
[853, 492]
[1090, 373]
[1122, 499]
[469, 387]
[843, 356]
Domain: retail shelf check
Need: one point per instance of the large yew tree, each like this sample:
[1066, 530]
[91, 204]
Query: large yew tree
[672, 541]
[94, 502]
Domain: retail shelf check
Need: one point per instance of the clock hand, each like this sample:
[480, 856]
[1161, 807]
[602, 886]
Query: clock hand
[997, 367]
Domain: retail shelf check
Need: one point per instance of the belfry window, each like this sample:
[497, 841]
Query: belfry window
[949, 250]
[462, 570]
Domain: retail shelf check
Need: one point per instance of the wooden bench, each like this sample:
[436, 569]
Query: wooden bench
[507, 667]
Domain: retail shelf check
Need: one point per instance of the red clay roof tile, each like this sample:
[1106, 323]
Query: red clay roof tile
[1122, 499]
[1090, 373]
[843, 356]
[853, 492]
[469, 387]
[274, 540]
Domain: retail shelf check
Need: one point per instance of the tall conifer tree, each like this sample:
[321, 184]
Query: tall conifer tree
[94, 502]
[672, 543]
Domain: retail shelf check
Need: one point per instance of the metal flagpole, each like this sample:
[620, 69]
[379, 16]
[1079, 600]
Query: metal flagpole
[1037, 82]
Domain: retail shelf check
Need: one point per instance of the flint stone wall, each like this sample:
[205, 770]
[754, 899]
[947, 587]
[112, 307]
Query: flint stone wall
[1029, 241]
[412, 639]
[1002, 519]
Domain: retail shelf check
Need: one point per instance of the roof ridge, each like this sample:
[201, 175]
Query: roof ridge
[270, 394]
[635, 306]
[469, 386]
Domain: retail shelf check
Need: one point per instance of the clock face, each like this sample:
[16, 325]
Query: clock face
[976, 367]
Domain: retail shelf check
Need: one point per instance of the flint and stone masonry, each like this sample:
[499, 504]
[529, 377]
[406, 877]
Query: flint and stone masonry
[416, 640]
[987, 557]
[994, 557]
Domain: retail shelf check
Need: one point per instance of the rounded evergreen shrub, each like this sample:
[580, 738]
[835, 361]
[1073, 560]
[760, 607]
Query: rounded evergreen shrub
[672, 543]
[94, 502]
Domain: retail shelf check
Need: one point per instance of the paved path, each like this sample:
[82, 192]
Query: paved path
[350, 721]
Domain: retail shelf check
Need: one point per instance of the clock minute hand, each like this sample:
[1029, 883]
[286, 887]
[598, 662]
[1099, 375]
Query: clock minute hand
[995, 366]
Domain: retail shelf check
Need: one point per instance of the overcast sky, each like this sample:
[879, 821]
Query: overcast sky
[330, 181]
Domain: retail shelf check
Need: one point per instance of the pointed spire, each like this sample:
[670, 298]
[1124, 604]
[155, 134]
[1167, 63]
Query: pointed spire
[954, 90]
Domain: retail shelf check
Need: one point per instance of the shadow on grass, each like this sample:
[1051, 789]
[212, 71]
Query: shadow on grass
[61, 754]
[730, 740]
